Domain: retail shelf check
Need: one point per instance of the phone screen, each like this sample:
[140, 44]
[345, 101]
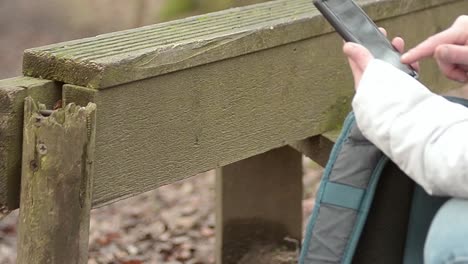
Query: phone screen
[354, 25]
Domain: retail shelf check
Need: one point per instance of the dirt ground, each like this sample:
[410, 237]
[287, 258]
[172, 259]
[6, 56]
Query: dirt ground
[174, 224]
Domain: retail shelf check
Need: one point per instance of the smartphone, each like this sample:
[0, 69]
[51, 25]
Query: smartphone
[354, 25]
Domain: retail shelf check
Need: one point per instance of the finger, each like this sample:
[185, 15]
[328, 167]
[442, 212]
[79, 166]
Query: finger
[383, 30]
[399, 44]
[453, 72]
[416, 66]
[353, 65]
[427, 47]
[357, 72]
[452, 54]
[463, 68]
[358, 54]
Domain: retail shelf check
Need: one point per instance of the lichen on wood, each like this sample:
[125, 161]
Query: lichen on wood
[57, 181]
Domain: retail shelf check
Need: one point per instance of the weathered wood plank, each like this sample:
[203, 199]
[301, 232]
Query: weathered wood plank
[122, 57]
[163, 129]
[12, 94]
[56, 187]
[258, 203]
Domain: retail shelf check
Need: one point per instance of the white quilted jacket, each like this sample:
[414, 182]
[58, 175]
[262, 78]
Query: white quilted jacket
[423, 133]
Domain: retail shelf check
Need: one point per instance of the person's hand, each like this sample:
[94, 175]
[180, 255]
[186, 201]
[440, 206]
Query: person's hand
[359, 57]
[449, 48]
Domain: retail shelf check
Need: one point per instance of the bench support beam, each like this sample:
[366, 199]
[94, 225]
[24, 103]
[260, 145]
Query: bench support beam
[259, 202]
[317, 148]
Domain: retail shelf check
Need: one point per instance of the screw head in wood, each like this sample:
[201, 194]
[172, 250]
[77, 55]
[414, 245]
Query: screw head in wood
[41, 148]
[33, 165]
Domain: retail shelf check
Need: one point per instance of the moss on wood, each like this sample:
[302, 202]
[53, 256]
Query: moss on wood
[57, 182]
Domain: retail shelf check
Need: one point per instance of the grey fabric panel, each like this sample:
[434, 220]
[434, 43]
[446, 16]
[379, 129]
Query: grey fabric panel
[356, 161]
[356, 136]
[384, 235]
[330, 235]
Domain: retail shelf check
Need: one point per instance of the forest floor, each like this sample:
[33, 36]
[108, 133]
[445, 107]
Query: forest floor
[174, 224]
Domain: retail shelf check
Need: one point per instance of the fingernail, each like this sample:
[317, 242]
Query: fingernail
[348, 47]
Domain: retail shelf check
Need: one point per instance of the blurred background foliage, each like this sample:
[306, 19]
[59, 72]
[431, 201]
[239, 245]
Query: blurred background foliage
[180, 8]
[31, 23]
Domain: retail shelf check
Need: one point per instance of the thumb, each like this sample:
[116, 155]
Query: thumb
[358, 54]
[452, 54]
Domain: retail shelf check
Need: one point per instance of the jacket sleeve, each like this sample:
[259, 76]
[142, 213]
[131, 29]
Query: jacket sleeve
[423, 133]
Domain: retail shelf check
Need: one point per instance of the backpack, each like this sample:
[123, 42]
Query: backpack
[366, 209]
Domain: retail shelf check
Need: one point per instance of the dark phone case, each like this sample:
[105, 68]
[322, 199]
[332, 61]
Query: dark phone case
[354, 25]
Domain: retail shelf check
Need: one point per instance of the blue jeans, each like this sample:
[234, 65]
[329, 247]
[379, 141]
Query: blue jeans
[447, 240]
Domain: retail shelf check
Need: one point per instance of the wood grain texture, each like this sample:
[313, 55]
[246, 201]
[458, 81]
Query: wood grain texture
[167, 128]
[117, 58]
[160, 130]
[12, 94]
[56, 185]
[258, 203]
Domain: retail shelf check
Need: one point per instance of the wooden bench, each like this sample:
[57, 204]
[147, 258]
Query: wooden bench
[245, 91]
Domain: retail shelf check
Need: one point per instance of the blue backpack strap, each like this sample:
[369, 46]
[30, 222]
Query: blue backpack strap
[457, 100]
[344, 198]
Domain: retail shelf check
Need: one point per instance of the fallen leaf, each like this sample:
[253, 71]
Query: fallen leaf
[108, 238]
[132, 262]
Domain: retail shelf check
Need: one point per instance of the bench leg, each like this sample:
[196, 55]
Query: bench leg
[56, 185]
[258, 203]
